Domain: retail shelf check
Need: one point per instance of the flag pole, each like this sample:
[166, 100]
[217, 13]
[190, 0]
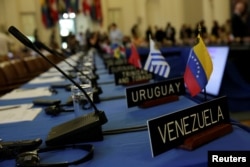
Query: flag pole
[205, 91]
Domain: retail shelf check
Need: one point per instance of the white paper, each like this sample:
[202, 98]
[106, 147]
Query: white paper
[18, 113]
[52, 70]
[46, 80]
[27, 93]
[51, 74]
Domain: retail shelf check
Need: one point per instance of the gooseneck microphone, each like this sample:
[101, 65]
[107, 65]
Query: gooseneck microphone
[83, 129]
[53, 52]
[93, 80]
[22, 38]
[97, 90]
[62, 56]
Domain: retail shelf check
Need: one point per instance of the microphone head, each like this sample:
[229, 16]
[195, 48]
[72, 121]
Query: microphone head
[21, 37]
[43, 46]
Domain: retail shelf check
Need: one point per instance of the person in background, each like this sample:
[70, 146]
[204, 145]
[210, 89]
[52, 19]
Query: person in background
[53, 43]
[185, 34]
[159, 34]
[149, 32]
[37, 41]
[201, 28]
[72, 43]
[134, 31]
[81, 38]
[105, 43]
[170, 33]
[239, 26]
[115, 34]
[136, 38]
[5, 42]
[215, 29]
[36, 36]
[95, 41]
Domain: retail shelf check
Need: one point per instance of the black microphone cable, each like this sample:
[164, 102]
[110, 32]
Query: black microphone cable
[144, 128]
[126, 130]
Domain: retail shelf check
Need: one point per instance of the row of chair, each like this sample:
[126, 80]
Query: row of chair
[16, 72]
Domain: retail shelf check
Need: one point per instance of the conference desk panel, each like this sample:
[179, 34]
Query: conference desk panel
[126, 149]
[129, 148]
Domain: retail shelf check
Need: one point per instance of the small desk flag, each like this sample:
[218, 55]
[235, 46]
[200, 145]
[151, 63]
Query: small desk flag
[118, 51]
[156, 63]
[134, 58]
[198, 69]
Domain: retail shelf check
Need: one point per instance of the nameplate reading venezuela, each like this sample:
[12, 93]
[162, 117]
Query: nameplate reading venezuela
[136, 75]
[170, 131]
[139, 94]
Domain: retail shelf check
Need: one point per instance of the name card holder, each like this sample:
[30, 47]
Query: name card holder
[153, 94]
[136, 82]
[132, 77]
[159, 101]
[190, 128]
[206, 136]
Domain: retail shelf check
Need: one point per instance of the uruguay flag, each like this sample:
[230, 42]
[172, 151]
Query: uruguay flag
[156, 63]
[199, 68]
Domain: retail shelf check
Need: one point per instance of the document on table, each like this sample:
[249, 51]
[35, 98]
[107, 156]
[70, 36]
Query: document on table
[17, 113]
[46, 80]
[50, 74]
[27, 93]
[65, 68]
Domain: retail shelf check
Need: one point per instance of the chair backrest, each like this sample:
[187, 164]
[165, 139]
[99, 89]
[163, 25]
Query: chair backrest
[21, 68]
[3, 80]
[4, 87]
[9, 72]
[44, 64]
[34, 66]
[4, 58]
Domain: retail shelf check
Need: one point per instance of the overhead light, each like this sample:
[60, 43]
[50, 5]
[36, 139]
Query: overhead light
[64, 45]
[72, 15]
[65, 15]
[64, 32]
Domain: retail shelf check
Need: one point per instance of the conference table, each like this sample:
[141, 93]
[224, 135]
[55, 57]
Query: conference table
[30, 121]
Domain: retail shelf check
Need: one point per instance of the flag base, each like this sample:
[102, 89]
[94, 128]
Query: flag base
[159, 101]
[206, 136]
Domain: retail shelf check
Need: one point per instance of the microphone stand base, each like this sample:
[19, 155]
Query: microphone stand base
[86, 128]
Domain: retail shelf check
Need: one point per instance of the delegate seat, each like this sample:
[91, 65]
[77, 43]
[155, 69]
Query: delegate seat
[22, 70]
[4, 58]
[8, 71]
[44, 64]
[4, 87]
[35, 67]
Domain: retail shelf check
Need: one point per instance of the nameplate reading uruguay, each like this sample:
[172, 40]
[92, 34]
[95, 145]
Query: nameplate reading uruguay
[169, 131]
[136, 75]
[153, 91]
